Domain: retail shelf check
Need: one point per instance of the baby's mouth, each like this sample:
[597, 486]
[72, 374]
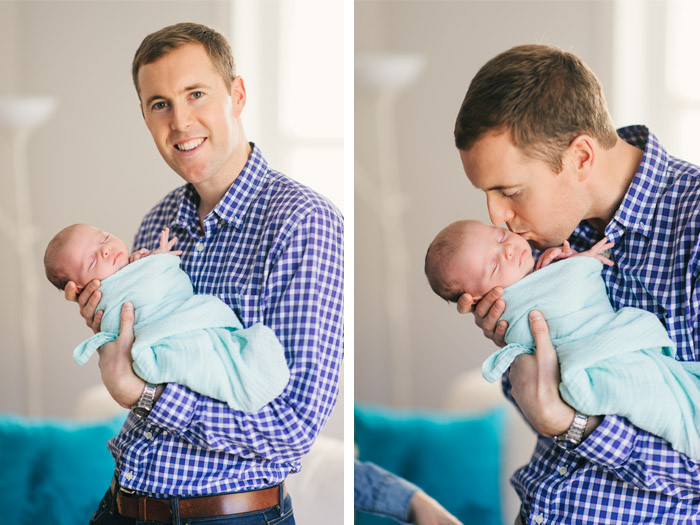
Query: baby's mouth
[190, 144]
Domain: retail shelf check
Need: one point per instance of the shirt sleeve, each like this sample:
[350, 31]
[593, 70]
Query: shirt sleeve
[635, 456]
[378, 491]
[303, 305]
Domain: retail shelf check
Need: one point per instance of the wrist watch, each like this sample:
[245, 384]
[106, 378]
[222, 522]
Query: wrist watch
[573, 436]
[145, 403]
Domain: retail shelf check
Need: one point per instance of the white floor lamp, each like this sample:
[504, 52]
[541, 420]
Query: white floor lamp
[384, 77]
[19, 116]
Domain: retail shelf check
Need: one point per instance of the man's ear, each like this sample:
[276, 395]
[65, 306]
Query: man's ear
[581, 153]
[238, 95]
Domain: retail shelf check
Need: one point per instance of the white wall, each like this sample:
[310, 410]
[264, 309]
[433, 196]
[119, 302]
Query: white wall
[94, 161]
[456, 38]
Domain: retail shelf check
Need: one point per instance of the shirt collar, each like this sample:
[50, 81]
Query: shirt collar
[235, 203]
[637, 208]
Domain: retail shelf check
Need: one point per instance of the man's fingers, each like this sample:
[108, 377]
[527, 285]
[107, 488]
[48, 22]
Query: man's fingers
[88, 292]
[126, 331]
[489, 300]
[499, 336]
[545, 354]
[465, 303]
[70, 292]
[96, 321]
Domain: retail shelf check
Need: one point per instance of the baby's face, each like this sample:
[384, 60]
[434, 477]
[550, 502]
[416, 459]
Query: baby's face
[492, 257]
[92, 254]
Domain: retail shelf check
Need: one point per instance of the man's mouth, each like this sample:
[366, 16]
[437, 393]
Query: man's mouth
[190, 144]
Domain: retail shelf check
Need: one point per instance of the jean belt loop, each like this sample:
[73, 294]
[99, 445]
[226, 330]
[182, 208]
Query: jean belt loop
[175, 509]
[281, 489]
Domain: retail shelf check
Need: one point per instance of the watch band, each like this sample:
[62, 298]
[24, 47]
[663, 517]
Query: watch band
[574, 434]
[145, 403]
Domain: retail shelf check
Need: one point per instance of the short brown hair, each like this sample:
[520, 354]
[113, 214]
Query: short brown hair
[545, 96]
[169, 38]
[51, 256]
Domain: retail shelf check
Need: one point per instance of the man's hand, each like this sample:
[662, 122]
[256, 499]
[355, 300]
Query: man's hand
[535, 379]
[424, 510]
[87, 299]
[487, 313]
[116, 363]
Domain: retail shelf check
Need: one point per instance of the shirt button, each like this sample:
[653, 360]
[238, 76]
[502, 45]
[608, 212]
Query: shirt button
[562, 471]
[148, 435]
[200, 247]
[539, 518]
[129, 476]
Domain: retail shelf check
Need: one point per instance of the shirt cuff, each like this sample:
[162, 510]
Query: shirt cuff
[174, 409]
[610, 445]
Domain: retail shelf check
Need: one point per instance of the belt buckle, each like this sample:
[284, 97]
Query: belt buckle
[127, 491]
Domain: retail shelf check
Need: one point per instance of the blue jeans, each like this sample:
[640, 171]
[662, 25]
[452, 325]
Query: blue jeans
[106, 514]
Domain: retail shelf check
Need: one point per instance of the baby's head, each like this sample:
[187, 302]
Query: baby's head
[81, 253]
[473, 257]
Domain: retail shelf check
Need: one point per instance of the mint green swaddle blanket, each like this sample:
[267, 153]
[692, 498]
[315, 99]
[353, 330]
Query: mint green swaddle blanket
[193, 340]
[612, 362]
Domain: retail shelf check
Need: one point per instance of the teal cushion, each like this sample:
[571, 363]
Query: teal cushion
[54, 471]
[455, 458]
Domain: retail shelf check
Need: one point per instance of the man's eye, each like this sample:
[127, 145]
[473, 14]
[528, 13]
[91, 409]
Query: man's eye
[159, 105]
[510, 194]
[197, 94]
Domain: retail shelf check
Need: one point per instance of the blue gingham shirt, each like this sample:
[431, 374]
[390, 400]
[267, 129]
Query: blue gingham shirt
[621, 474]
[272, 250]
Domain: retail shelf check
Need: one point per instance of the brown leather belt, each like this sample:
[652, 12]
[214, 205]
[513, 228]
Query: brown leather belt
[145, 508]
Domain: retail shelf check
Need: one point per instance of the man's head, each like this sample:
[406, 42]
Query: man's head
[191, 102]
[545, 96]
[529, 129]
[81, 253]
[473, 257]
[169, 38]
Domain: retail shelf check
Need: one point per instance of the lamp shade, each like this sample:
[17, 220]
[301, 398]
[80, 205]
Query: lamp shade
[19, 112]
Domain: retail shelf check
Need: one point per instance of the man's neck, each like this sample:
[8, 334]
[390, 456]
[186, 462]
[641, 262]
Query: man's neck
[616, 169]
[212, 191]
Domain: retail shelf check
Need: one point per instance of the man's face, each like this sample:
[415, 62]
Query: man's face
[491, 257]
[192, 114]
[92, 254]
[541, 206]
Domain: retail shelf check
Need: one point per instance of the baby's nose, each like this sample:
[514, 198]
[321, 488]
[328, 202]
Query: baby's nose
[105, 251]
[509, 251]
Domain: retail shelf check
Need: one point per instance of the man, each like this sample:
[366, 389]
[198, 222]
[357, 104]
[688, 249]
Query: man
[535, 135]
[272, 250]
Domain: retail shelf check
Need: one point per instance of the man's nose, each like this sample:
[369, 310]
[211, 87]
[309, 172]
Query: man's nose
[499, 211]
[181, 117]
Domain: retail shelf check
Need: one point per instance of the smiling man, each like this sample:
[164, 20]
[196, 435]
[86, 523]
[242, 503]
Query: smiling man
[272, 250]
[535, 135]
